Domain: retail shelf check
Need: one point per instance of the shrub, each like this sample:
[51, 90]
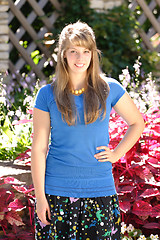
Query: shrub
[115, 33]
[137, 174]
[16, 214]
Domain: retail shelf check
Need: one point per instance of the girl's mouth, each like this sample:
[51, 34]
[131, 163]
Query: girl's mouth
[80, 65]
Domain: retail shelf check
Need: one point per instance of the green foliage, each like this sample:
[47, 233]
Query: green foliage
[14, 139]
[115, 35]
[71, 11]
[36, 56]
[14, 136]
[115, 31]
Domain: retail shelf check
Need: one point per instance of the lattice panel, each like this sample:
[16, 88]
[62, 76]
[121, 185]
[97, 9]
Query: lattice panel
[25, 37]
[148, 12]
[4, 47]
[26, 12]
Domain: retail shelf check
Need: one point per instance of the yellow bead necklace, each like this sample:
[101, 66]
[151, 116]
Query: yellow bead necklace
[78, 92]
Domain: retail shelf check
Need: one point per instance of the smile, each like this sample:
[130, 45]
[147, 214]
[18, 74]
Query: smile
[79, 65]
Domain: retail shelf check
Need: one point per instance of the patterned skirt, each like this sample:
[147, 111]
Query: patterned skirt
[95, 218]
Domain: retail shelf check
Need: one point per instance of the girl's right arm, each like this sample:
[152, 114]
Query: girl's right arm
[41, 132]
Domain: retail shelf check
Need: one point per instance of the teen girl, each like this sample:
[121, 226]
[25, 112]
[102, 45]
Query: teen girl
[74, 186]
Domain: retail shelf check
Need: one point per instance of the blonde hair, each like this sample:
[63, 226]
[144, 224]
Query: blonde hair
[80, 34]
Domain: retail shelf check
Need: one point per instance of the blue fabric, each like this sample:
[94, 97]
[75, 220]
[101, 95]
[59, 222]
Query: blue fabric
[71, 169]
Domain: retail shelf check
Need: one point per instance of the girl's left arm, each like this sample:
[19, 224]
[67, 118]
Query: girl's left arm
[126, 108]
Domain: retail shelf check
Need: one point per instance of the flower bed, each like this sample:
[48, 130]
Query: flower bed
[131, 233]
[16, 210]
[137, 174]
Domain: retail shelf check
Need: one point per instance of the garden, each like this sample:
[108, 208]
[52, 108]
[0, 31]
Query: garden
[137, 174]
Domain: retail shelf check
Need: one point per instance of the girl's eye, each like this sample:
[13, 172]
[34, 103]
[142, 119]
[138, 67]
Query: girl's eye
[86, 51]
[73, 51]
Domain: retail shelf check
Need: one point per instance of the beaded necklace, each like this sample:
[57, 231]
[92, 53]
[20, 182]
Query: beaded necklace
[78, 92]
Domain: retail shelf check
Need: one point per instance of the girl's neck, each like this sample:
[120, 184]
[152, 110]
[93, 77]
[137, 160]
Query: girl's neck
[78, 81]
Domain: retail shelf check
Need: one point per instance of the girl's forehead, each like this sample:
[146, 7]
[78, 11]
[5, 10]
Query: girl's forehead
[79, 42]
[72, 46]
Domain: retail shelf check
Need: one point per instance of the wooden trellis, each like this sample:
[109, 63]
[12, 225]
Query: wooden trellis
[4, 47]
[25, 27]
[153, 33]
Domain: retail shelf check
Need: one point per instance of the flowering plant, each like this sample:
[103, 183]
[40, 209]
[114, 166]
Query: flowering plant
[137, 174]
[15, 138]
[16, 122]
[144, 93]
[130, 233]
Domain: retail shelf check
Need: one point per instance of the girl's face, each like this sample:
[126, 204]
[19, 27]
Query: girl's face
[78, 59]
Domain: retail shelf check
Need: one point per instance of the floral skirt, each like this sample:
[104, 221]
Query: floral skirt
[95, 218]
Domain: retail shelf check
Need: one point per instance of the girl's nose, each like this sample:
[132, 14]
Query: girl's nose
[79, 56]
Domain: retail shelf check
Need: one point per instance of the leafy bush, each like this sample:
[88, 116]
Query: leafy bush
[15, 110]
[115, 32]
[16, 213]
[137, 174]
[137, 177]
[15, 138]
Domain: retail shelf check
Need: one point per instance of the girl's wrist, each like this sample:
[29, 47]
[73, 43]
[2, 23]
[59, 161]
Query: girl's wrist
[40, 196]
[116, 155]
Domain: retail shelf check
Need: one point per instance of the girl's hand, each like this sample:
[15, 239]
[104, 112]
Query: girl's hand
[43, 210]
[107, 155]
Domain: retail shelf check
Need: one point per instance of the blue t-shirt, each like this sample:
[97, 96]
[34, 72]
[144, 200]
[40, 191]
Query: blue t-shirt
[71, 168]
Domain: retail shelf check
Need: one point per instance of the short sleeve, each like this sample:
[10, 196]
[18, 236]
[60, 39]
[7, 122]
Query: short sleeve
[116, 91]
[41, 99]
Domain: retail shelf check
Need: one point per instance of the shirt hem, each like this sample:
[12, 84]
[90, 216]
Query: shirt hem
[77, 194]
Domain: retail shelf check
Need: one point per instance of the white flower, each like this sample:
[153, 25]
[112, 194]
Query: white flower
[18, 112]
[11, 113]
[28, 100]
[125, 71]
[3, 92]
[123, 228]
[137, 68]
[121, 77]
[142, 237]
[3, 100]
[125, 77]
[130, 228]
[154, 237]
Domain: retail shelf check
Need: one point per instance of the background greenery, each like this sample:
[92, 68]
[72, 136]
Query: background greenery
[115, 32]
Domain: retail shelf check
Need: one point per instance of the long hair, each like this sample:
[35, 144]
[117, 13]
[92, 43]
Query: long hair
[80, 34]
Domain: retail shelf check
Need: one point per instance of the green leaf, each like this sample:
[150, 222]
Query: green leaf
[35, 53]
[6, 128]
